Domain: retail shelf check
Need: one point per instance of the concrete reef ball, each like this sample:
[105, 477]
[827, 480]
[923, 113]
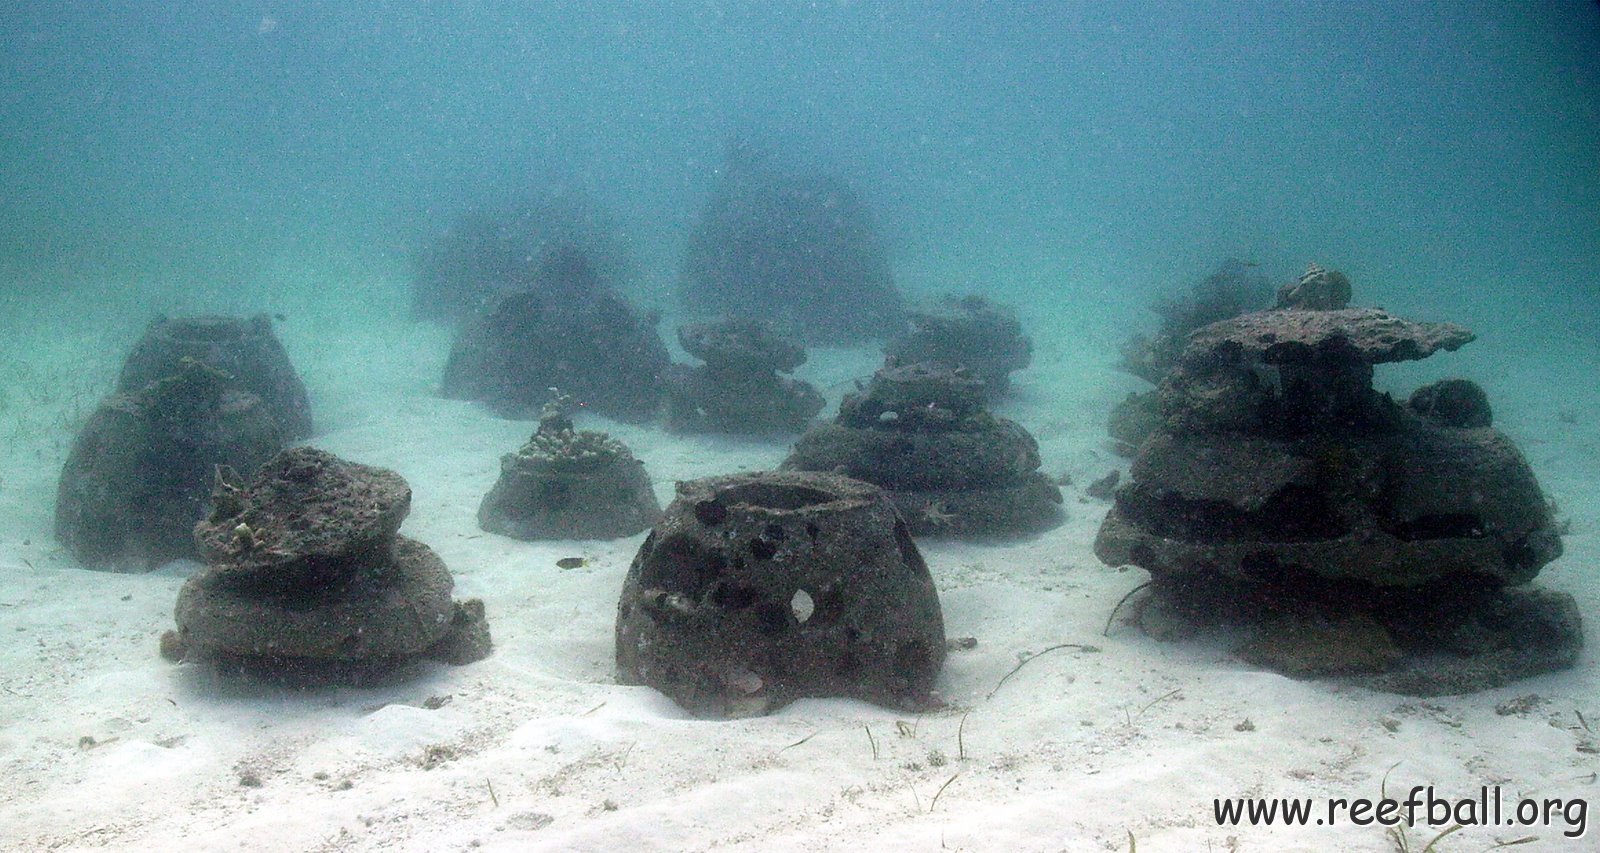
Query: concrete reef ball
[921, 432]
[307, 578]
[738, 389]
[139, 474]
[568, 483]
[757, 589]
[1359, 537]
[244, 348]
[572, 332]
[971, 332]
[794, 246]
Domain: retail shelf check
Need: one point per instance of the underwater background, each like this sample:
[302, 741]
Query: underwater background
[1078, 161]
[1081, 160]
[1074, 151]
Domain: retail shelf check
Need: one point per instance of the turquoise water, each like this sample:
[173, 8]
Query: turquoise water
[1053, 150]
[1080, 159]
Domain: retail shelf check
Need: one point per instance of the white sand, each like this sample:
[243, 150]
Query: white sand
[538, 748]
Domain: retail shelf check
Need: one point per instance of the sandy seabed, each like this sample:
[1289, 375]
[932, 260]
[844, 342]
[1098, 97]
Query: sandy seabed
[105, 745]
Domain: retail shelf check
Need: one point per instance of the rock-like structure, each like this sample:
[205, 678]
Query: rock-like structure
[921, 432]
[244, 348]
[567, 483]
[1317, 289]
[738, 389]
[1133, 420]
[139, 474]
[793, 247]
[570, 333]
[758, 589]
[1236, 287]
[1279, 482]
[970, 332]
[307, 577]
[1453, 402]
[490, 251]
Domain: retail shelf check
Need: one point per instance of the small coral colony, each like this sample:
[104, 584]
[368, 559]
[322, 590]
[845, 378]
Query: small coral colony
[1349, 535]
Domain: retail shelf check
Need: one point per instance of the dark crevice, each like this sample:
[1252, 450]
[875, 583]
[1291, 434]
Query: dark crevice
[680, 565]
[1456, 525]
[1294, 514]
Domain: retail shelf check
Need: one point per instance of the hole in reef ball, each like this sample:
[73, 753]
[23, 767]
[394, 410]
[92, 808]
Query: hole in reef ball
[802, 605]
